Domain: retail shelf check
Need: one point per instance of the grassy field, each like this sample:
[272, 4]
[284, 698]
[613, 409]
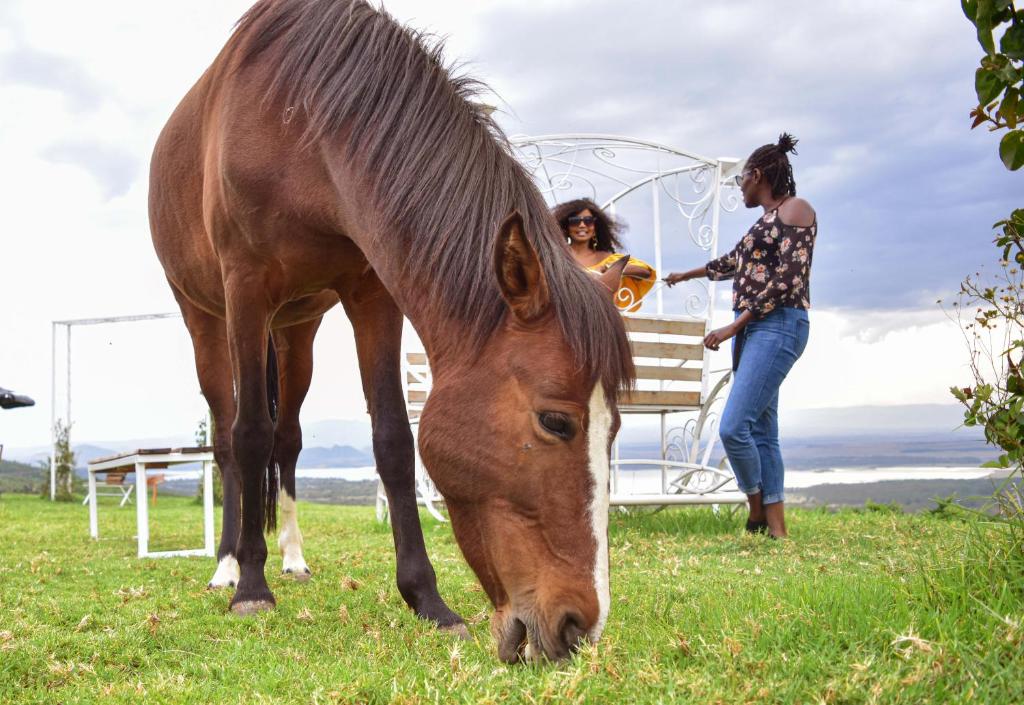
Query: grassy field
[869, 606]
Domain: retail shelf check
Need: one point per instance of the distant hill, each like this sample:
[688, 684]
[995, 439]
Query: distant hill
[862, 436]
[334, 457]
[855, 420]
[20, 477]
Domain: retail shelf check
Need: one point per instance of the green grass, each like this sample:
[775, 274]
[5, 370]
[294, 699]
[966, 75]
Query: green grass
[857, 607]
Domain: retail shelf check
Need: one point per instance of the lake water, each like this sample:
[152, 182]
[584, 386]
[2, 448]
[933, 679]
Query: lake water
[648, 480]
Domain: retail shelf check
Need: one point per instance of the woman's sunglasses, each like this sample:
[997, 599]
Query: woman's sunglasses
[586, 220]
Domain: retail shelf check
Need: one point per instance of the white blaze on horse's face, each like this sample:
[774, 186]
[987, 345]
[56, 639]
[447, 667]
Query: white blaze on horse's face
[598, 433]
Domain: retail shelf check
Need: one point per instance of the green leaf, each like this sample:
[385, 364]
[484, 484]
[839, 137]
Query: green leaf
[970, 8]
[1011, 149]
[988, 84]
[1012, 43]
[984, 21]
[1010, 107]
[1010, 75]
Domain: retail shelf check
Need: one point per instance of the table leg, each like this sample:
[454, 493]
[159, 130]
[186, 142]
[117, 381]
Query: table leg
[208, 506]
[94, 526]
[142, 509]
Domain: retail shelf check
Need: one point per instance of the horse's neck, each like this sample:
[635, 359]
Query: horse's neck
[387, 253]
[387, 256]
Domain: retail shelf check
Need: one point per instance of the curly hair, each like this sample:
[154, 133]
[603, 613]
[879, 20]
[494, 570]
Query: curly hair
[606, 228]
[771, 159]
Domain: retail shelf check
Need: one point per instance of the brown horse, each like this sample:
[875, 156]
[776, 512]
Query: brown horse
[329, 154]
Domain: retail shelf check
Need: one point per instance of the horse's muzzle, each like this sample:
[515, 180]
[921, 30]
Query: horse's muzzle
[525, 640]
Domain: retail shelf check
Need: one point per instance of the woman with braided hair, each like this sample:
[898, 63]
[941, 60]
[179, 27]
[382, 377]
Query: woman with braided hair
[770, 268]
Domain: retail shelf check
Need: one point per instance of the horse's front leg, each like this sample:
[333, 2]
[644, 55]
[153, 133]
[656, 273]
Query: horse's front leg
[252, 434]
[377, 324]
[294, 347]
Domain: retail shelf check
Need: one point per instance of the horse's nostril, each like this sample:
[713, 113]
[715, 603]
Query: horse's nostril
[512, 642]
[573, 634]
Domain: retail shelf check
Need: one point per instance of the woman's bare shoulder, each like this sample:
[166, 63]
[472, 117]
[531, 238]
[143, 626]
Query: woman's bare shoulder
[798, 212]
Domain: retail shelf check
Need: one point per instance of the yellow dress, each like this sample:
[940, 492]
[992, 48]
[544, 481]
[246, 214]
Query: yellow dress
[631, 290]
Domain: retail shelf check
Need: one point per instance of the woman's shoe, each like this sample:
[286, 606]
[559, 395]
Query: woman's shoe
[757, 527]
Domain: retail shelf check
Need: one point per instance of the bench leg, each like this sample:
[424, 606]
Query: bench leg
[94, 526]
[127, 492]
[142, 509]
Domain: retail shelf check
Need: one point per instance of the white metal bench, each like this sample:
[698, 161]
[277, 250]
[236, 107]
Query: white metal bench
[674, 378]
[682, 196]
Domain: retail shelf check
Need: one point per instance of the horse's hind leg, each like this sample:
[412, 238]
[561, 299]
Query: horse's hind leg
[377, 324]
[294, 347]
[213, 366]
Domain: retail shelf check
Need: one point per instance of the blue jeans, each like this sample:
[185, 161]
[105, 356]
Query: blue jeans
[763, 354]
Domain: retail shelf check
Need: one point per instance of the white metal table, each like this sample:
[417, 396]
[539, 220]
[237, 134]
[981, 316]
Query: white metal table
[138, 462]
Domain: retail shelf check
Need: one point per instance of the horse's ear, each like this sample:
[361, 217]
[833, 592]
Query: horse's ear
[520, 276]
[612, 277]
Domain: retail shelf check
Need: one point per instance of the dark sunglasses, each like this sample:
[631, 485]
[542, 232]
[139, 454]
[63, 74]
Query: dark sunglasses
[586, 220]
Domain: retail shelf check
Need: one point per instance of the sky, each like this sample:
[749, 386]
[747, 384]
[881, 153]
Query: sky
[877, 93]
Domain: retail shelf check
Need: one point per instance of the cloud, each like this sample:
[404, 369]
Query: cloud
[877, 92]
[25, 66]
[113, 167]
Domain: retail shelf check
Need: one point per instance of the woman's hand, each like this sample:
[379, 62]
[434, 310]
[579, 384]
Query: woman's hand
[718, 336]
[676, 277]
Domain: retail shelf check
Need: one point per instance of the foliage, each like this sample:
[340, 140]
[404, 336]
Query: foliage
[21, 477]
[203, 435]
[985, 577]
[948, 507]
[998, 80]
[882, 508]
[64, 458]
[992, 313]
[846, 612]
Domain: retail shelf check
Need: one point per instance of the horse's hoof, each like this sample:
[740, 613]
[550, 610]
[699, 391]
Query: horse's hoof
[300, 576]
[458, 629]
[246, 608]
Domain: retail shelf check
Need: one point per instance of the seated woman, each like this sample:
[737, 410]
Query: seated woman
[592, 237]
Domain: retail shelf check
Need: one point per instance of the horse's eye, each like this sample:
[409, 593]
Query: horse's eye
[557, 424]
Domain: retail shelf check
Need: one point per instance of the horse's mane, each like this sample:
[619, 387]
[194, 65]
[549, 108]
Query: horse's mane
[440, 168]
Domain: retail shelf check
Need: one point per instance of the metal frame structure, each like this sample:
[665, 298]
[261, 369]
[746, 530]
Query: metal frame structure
[67, 325]
[687, 193]
[694, 190]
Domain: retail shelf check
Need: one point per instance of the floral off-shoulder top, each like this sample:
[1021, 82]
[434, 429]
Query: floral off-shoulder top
[770, 267]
